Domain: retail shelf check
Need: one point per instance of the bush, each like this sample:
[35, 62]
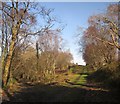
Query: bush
[114, 80]
[99, 76]
[108, 75]
[78, 69]
[111, 67]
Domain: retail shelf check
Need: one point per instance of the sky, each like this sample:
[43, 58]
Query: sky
[75, 14]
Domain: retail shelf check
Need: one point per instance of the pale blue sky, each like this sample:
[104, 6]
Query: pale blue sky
[74, 15]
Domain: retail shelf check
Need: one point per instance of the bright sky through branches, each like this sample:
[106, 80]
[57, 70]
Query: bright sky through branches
[74, 15]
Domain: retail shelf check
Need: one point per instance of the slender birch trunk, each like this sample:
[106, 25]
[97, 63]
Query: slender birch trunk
[9, 56]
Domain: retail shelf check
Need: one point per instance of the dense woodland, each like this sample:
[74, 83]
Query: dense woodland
[36, 53]
[28, 55]
[101, 44]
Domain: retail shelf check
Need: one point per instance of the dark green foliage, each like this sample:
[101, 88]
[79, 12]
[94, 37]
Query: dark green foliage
[99, 76]
[114, 80]
[108, 75]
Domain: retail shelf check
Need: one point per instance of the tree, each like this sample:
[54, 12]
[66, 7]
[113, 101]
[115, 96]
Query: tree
[16, 16]
[50, 45]
[108, 21]
[50, 56]
[63, 60]
[100, 39]
[16, 19]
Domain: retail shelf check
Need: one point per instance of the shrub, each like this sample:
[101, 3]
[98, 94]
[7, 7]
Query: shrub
[108, 75]
[99, 76]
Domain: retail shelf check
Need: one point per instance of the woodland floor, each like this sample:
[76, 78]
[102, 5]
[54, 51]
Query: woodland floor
[66, 90]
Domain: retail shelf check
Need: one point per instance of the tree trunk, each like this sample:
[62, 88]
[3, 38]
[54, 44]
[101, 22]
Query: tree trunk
[9, 56]
[37, 55]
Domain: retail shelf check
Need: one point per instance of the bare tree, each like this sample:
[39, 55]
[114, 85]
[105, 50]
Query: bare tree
[100, 40]
[50, 45]
[108, 22]
[18, 16]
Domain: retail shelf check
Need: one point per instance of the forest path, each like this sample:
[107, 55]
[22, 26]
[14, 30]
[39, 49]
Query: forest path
[67, 92]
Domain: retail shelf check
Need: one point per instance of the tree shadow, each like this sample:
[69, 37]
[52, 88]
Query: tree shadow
[86, 85]
[58, 93]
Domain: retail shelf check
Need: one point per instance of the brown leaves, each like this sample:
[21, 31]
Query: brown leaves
[100, 37]
[113, 9]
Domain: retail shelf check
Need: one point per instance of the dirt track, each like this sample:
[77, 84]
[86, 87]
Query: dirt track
[57, 93]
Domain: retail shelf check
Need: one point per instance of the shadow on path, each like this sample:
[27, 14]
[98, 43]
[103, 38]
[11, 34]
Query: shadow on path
[86, 85]
[57, 93]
